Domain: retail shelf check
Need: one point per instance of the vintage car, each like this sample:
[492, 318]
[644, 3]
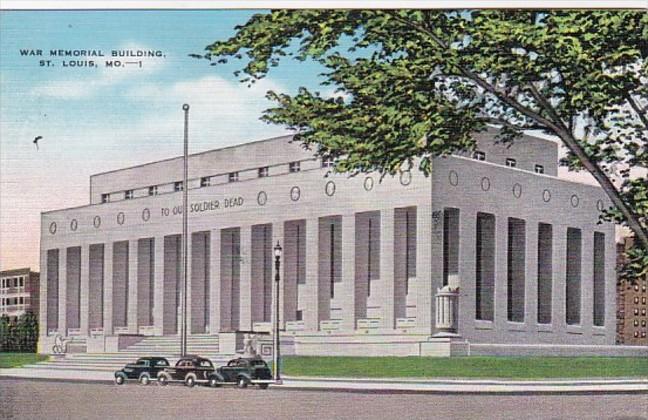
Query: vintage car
[143, 370]
[189, 369]
[242, 372]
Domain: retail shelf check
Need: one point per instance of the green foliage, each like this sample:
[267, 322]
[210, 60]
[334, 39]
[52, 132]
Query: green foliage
[416, 84]
[19, 336]
[466, 367]
[13, 360]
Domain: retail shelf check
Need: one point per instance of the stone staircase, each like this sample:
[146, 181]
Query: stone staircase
[201, 344]
[165, 346]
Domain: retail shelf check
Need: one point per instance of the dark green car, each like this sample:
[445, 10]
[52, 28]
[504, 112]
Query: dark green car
[143, 370]
[242, 372]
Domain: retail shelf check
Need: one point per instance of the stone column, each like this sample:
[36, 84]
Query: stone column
[108, 289]
[131, 317]
[62, 312]
[311, 289]
[215, 282]
[467, 299]
[387, 268]
[187, 278]
[346, 294]
[501, 272]
[587, 280]
[429, 247]
[245, 282]
[158, 285]
[558, 314]
[531, 280]
[42, 314]
[278, 236]
[84, 290]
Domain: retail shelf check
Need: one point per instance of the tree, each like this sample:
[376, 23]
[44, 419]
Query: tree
[417, 84]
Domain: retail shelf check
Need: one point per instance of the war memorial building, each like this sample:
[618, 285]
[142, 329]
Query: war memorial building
[491, 250]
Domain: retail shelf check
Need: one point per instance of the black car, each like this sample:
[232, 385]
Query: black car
[144, 370]
[243, 372]
[189, 369]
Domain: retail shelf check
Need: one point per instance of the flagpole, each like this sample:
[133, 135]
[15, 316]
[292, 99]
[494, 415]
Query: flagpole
[185, 191]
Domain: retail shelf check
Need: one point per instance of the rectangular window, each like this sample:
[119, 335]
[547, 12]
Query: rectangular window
[205, 181]
[539, 169]
[294, 167]
[295, 251]
[373, 250]
[516, 265]
[573, 277]
[599, 278]
[178, 186]
[485, 267]
[450, 243]
[299, 315]
[511, 163]
[263, 172]
[327, 162]
[233, 177]
[332, 237]
[128, 194]
[478, 155]
[545, 272]
[410, 246]
[153, 190]
[105, 198]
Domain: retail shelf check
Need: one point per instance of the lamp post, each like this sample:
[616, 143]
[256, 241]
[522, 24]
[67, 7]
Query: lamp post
[275, 340]
[185, 190]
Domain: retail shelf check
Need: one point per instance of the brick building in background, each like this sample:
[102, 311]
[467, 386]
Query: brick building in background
[632, 305]
[19, 292]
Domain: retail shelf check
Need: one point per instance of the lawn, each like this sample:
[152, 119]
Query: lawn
[467, 367]
[10, 360]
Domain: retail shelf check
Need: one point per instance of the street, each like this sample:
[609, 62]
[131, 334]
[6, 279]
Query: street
[29, 399]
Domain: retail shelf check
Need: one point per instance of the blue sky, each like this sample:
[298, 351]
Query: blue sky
[97, 119]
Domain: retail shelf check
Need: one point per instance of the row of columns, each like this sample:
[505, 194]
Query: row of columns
[221, 304]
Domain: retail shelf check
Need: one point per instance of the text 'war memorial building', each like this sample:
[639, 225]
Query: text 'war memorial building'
[490, 254]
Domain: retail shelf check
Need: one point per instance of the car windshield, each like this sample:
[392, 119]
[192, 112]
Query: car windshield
[258, 363]
[205, 363]
[142, 362]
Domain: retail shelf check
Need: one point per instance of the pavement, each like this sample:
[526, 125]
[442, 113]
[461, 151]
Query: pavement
[387, 385]
[40, 399]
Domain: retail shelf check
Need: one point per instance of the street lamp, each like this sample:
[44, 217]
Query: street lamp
[275, 341]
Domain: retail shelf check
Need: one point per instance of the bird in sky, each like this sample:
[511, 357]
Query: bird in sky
[36, 141]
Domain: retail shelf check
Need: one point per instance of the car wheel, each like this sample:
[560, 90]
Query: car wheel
[242, 383]
[263, 386]
[190, 381]
[144, 379]
[119, 380]
[163, 380]
[213, 382]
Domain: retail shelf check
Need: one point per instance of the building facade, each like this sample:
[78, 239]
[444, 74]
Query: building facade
[19, 292]
[632, 307]
[364, 258]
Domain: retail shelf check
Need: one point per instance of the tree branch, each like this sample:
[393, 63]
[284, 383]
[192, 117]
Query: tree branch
[557, 126]
[637, 110]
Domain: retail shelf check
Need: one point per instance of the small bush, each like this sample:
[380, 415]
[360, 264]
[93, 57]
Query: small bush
[20, 336]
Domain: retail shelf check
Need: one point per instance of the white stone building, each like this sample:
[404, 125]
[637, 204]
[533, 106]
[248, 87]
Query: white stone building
[363, 259]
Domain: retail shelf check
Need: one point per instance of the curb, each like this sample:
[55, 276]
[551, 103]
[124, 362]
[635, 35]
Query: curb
[408, 386]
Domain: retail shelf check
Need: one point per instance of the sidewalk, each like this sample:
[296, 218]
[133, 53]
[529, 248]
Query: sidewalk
[448, 386]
